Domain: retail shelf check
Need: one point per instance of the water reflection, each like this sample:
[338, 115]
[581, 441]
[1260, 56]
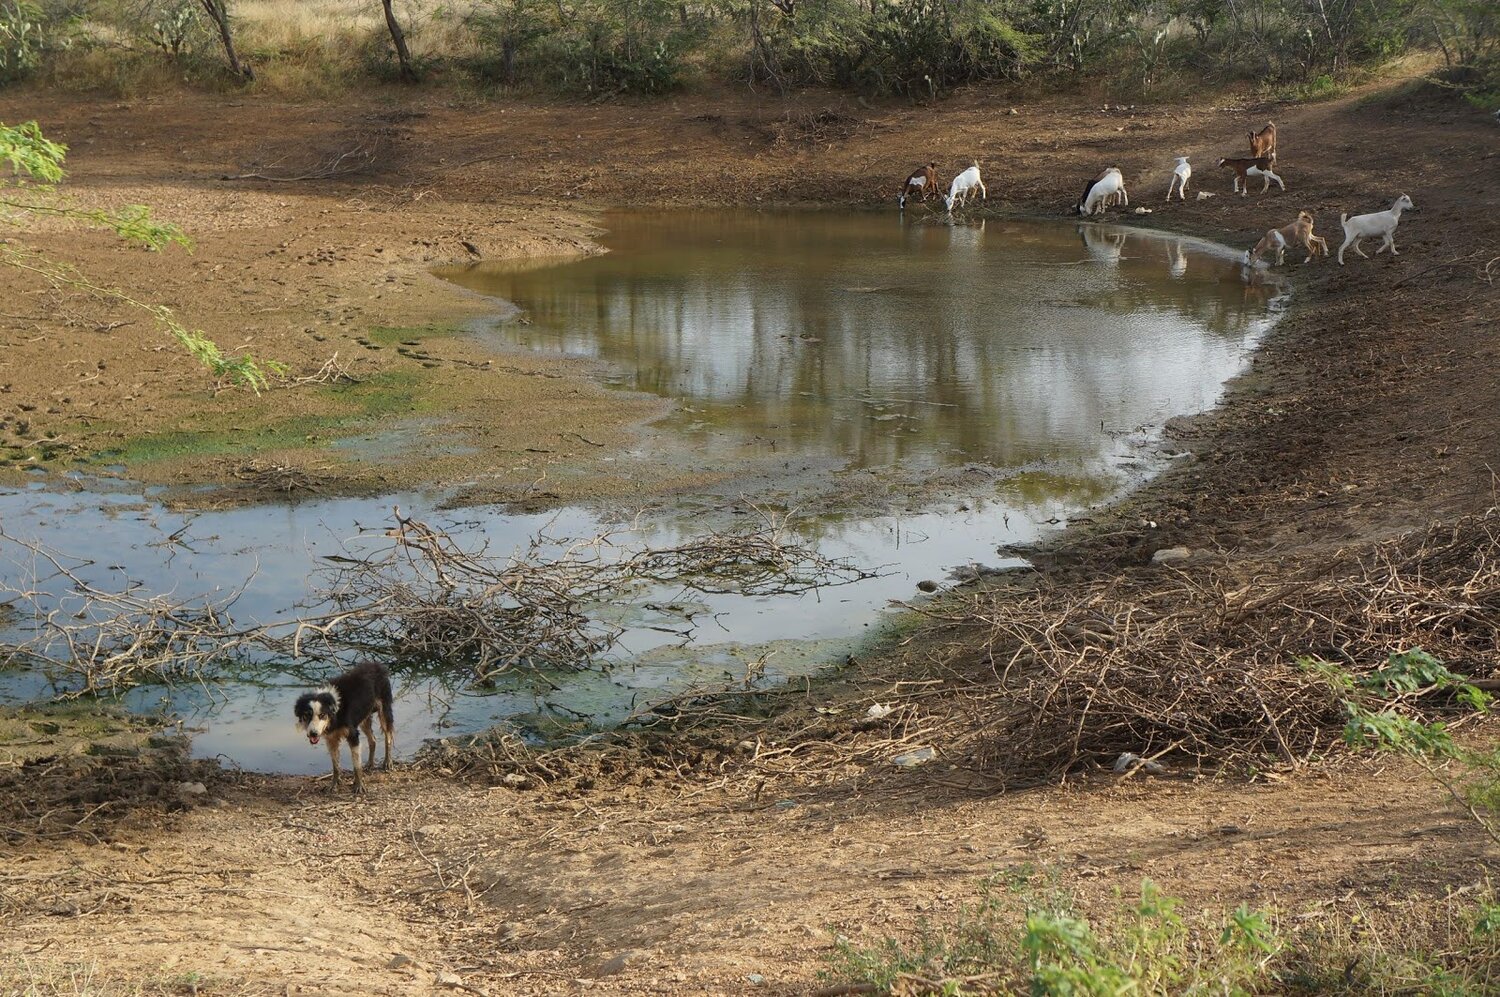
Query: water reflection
[872, 340]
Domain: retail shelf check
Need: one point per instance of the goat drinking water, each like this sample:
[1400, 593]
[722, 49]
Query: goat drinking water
[921, 183]
[1101, 190]
[966, 181]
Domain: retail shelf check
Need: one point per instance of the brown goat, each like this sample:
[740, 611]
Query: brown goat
[1263, 142]
[1246, 168]
[922, 182]
[1299, 232]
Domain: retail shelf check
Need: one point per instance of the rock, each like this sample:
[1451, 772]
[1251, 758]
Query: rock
[1143, 211]
[191, 789]
[429, 831]
[927, 585]
[1204, 195]
[756, 980]
[447, 979]
[1129, 761]
[914, 758]
[615, 964]
[1171, 555]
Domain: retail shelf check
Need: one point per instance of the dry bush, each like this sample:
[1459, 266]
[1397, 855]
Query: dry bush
[1203, 666]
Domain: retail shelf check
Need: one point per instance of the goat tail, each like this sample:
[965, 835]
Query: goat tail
[1343, 218]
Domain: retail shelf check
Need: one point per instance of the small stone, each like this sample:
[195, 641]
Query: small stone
[191, 789]
[615, 964]
[755, 979]
[927, 585]
[429, 831]
[447, 979]
[1171, 555]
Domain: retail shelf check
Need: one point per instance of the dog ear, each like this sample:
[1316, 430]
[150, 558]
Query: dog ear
[303, 709]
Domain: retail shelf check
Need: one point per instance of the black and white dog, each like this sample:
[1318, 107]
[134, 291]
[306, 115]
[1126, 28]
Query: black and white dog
[337, 712]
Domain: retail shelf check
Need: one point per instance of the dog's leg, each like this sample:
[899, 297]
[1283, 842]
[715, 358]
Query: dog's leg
[369, 728]
[388, 730]
[333, 756]
[359, 782]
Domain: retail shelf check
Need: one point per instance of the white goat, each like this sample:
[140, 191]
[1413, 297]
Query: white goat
[1179, 179]
[1381, 223]
[1102, 190]
[966, 181]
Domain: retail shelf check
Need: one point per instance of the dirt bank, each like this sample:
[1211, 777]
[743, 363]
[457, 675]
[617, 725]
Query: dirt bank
[1371, 409]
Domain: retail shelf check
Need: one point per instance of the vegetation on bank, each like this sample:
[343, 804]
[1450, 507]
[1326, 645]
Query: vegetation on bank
[917, 48]
[1027, 935]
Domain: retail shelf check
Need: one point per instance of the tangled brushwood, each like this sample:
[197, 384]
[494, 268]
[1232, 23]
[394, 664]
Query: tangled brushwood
[429, 598]
[422, 597]
[1203, 665]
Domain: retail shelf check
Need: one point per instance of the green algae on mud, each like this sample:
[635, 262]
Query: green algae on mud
[345, 408]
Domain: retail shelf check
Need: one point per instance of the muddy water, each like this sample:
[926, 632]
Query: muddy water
[868, 341]
[1043, 355]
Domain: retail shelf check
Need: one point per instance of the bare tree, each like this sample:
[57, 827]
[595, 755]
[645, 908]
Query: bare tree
[220, 15]
[403, 54]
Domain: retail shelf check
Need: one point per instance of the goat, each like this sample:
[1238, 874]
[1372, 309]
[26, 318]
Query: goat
[922, 182]
[1108, 187]
[1263, 142]
[1179, 179]
[958, 192]
[1299, 232]
[1381, 223]
[1244, 169]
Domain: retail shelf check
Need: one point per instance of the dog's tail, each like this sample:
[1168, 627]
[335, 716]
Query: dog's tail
[383, 697]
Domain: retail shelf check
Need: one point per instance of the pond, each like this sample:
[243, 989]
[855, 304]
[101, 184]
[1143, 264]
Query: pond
[1042, 356]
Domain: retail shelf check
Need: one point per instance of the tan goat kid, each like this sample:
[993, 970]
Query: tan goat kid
[1299, 232]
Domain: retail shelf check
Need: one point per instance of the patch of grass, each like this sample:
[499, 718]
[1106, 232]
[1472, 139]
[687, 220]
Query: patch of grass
[1017, 941]
[1323, 87]
[29, 977]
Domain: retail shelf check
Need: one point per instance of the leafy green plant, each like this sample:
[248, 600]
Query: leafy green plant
[20, 38]
[36, 163]
[1025, 942]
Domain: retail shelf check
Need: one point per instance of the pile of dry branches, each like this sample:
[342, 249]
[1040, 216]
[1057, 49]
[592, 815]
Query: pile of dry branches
[425, 598]
[103, 640]
[1204, 666]
[429, 598]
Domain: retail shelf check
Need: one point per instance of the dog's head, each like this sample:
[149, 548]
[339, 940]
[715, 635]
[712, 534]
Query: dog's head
[315, 712]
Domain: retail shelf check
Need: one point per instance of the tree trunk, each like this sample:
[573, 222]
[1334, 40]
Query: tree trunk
[403, 55]
[220, 15]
